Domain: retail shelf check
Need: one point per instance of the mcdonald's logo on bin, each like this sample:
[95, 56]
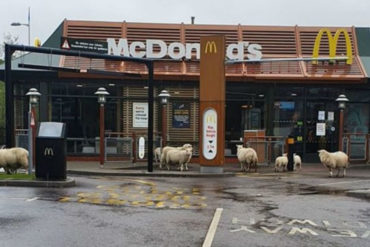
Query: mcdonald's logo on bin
[48, 152]
[210, 47]
[333, 42]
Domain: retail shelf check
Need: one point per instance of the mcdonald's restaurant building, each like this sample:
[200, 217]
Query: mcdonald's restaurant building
[278, 90]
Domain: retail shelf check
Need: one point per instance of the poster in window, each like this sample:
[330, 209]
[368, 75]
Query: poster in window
[180, 115]
[320, 129]
[140, 115]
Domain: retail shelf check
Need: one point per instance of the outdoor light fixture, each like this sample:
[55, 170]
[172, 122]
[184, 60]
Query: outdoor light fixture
[164, 95]
[34, 99]
[28, 25]
[34, 95]
[102, 92]
[342, 99]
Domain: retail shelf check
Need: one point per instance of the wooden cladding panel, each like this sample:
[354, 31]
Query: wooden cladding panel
[272, 42]
[93, 32]
[142, 34]
[193, 35]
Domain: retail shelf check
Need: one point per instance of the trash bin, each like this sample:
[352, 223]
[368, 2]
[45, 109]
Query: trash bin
[51, 151]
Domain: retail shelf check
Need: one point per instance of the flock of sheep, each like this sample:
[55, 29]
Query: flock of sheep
[14, 158]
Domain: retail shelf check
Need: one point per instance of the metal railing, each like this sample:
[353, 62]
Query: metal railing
[356, 145]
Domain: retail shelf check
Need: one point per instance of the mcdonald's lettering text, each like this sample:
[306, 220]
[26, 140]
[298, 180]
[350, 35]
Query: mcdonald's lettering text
[154, 48]
[333, 42]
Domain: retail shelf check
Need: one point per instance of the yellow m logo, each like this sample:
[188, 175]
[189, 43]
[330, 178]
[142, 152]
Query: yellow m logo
[333, 41]
[211, 119]
[210, 47]
[49, 152]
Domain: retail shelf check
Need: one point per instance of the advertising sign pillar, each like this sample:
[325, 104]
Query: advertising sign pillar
[212, 104]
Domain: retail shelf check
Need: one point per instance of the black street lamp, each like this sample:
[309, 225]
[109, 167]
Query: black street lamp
[33, 101]
[28, 25]
[164, 95]
[342, 99]
[101, 93]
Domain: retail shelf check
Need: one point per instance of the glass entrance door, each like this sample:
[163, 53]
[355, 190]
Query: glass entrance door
[321, 129]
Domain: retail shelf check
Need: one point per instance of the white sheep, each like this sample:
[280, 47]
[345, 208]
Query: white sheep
[297, 161]
[157, 156]
[168, 148]
[177, 156]
[281, 161]
[337, 160]
[247, 158]
[13, 158]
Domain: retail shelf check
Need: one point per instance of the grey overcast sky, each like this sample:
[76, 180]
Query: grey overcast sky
[46, 15]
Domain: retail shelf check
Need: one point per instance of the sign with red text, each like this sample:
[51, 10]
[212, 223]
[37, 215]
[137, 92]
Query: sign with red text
[209, 133]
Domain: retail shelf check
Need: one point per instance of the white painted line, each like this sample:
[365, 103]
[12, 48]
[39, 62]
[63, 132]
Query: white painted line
[212, 228]
[32, 199]
[346, 182]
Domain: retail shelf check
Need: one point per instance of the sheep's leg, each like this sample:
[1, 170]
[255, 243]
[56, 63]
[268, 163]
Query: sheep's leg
[181, 167]
[344, 171]
[338, 171]
[330, 172]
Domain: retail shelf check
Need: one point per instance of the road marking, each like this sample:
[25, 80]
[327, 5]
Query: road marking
[32, 199]
[346, 182]
[212, 228]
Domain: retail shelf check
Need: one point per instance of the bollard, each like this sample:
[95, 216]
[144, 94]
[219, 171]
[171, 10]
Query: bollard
[290, 142]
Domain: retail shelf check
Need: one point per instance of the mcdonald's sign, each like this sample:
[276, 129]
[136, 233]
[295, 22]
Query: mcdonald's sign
[48, 152]
[210, 47]
[333, 42]
[210, 133]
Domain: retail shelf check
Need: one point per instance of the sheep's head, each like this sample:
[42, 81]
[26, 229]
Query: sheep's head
[238, 146]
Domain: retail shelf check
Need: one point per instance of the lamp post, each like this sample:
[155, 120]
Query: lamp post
[342, 99]
[33, 100]
[164, 95]
[28, 25]
[101, 93]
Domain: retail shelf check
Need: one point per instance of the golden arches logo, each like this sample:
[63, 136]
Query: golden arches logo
[211, 119]
[210, 47]
[49, 152]
[333, 42]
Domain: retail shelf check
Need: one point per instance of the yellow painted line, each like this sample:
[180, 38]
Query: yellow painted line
[212, 228]
[160, 205]
[144, 182]
[64, 199]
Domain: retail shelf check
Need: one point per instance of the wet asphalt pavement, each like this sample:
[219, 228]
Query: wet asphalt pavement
[124, 211]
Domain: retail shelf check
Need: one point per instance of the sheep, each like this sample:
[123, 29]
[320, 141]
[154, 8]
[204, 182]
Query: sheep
[337, 160]
[13, 158]
[297, 161]
[157, 156]
[281, 161]
[247, 158]
[168, 148]
[178, 156]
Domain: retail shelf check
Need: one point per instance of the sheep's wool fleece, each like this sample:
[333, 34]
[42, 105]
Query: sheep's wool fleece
[13, 156]
[333, 160]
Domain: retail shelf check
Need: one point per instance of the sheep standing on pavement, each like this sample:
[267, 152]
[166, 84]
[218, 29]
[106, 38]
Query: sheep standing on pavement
[12, 159]
[281, 162]
[297, 162]
[337, 160]
[247, 158]
[157, 156]
[177, 156]
[168, 148]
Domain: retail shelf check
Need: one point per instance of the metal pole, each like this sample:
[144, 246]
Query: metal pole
[9, 110]
[101, 149]
[30, 141]
[164, 125]
[340, 132]
[150, 117]
[29, 26]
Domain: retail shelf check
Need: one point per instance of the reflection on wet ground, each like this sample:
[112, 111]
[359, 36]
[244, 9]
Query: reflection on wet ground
[141, 193]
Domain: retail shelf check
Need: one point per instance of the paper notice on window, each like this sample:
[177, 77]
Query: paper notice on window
[320, 129]
[330, 116]
[321, 115]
